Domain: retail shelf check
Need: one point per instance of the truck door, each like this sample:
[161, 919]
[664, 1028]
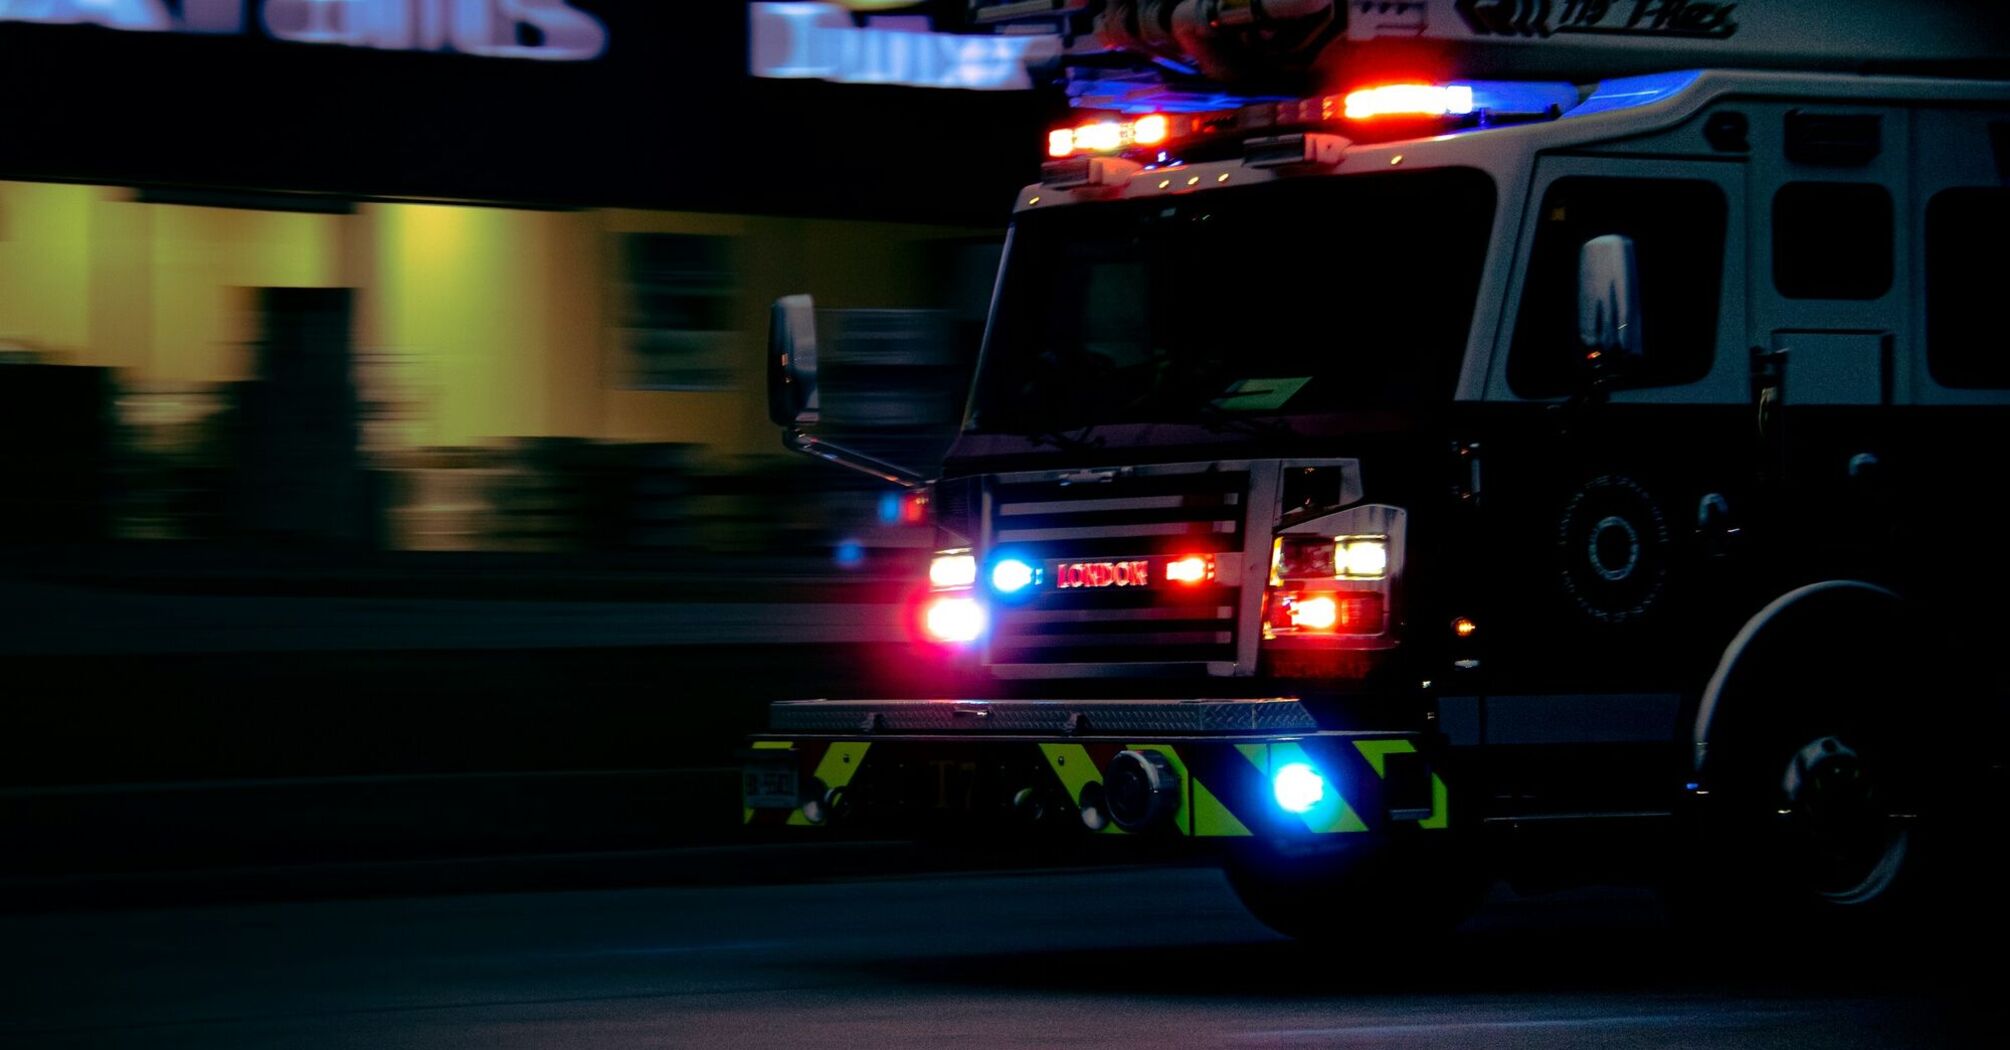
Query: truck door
[1604, 528]
[1829, 302]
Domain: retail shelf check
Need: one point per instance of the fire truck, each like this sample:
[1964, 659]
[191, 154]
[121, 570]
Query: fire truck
[1419, 441]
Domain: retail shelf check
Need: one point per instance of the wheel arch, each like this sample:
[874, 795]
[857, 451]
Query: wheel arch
[1777, 620]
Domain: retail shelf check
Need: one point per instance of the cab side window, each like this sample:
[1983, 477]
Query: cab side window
[1967, 274]
[1677, 227]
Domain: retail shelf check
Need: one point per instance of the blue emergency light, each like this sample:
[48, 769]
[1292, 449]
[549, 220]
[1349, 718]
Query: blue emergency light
[1297, 787]
[1010, 576]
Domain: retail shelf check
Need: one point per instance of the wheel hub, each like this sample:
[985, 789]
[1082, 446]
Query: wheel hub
[1839, 823]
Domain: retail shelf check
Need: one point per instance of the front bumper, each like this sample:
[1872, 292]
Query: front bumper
[902, 766]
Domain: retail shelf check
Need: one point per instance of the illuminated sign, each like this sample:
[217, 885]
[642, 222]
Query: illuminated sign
[820, 41]
[550, 30]
[1073, 574]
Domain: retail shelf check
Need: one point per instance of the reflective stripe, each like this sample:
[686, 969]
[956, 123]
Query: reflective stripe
[835, 769]
[1219, 797]
[1441, 810]
[1071, 762]
[841, 763]
[1210, 817]
[1377, 751]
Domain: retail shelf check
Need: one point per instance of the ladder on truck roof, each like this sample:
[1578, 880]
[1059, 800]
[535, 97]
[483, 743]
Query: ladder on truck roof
[1295, 45]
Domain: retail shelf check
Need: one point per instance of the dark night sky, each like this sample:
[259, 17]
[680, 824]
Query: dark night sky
[667, 118]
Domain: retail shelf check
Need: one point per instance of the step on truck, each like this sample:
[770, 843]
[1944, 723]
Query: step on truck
[1416, 441]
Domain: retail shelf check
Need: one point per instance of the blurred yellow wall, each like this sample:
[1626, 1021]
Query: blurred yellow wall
[45, 264]
[463, 294]
[204, 263]
[493, 323]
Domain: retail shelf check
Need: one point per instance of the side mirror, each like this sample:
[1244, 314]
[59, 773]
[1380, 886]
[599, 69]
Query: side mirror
[1608, 304]
[792, 361]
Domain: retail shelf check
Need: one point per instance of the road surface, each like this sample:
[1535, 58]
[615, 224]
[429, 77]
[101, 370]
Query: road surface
[1127, 957]
[62, 620]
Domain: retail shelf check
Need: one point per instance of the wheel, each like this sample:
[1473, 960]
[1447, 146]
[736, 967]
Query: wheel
[1388, 894]
[1828, 799]
[1824, 821]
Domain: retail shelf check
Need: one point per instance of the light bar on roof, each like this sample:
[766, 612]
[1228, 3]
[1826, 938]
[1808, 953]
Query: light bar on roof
[1109, 136]
[1315, 129]
[1150, 130]
[1410, 100]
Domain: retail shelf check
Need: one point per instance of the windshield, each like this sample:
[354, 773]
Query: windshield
[1298, 296]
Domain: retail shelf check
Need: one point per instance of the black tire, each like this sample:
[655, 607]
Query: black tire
[1832, 808]
[1391, 894]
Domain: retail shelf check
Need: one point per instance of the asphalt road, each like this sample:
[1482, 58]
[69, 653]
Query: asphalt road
[63, 620]
[1129, 957]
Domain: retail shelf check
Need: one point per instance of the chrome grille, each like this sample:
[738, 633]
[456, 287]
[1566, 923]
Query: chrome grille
[1166, 513]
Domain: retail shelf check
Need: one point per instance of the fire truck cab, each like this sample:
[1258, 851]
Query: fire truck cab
[1430, 476]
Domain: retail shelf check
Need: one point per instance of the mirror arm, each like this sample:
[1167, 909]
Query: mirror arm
[797, 441]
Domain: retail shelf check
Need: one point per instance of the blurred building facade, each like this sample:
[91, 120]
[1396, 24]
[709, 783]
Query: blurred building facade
[470, 345]
[377, 341]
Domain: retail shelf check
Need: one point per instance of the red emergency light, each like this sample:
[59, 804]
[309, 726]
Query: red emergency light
[1109, 136]
[1367, 113]
[1191, 569]
[1326, 613]
[953, 619]
[1408, 100]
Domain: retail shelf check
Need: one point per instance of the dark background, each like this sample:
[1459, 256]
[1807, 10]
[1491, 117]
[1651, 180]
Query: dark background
[167, 702]
[667, 118]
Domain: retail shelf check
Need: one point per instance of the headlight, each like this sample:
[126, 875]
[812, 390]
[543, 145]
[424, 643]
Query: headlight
[952, 570]
[1326, 558]
[1361, 557]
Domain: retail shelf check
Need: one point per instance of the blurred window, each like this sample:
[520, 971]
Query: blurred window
[680, 310]
[1832, 240]
[1966, 273]
[886, 368]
